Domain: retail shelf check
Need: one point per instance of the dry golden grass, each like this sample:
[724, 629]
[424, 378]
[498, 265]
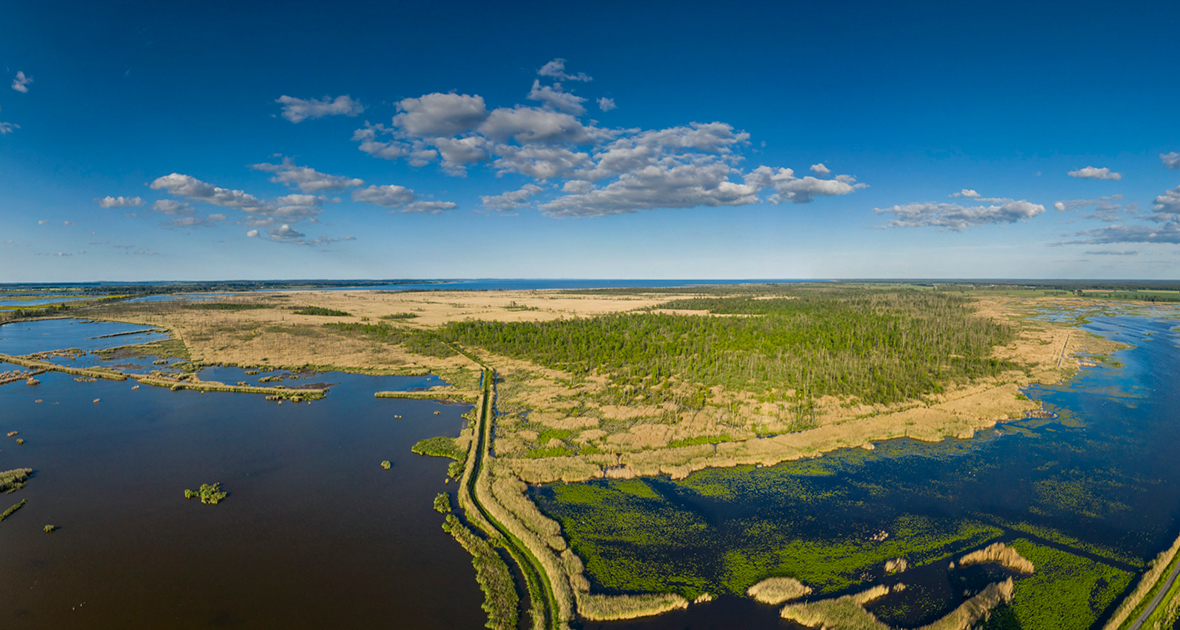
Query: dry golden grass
[612, 607]
[848, 613]
[1000, 554]
[777, 590]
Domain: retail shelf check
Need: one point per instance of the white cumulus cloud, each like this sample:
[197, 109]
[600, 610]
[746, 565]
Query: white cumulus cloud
[180, 185]
[555, 97]
[787, 187]
[510, 200]
[119, 202]
[1171, 160]
[1091, 172]
[21, 82]
[435, 115]
[607, 104]
[595, 171]
[966, 192]
[385, 196]
[1169, 202]
[298, 109]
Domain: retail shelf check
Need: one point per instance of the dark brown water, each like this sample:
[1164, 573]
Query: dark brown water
[314, 533]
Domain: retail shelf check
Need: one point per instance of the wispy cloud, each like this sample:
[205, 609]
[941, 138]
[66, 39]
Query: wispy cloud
[556, 69]
[1171, 160]
[7, 128]
[306, 179]
[1108, 208]
[298, 109]
[1168, 233]
[956, 217]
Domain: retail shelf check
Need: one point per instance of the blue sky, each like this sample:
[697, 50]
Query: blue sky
[154, 141]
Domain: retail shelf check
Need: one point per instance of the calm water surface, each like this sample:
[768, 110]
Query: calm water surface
[314, 533]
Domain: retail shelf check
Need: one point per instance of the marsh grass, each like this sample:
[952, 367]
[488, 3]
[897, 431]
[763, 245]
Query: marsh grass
[208, 494]
[13, 480]
[617, 607]
[495, 580]
[324, 312]
[777, 590]
[6, 513]
[1064, 582]
[848, 612]
[1001, 554]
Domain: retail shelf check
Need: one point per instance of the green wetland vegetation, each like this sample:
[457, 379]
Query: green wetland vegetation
[874, 346]
[210, 494]
[1089, 498]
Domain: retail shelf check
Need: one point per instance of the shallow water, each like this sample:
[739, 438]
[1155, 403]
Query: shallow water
[314, 533]
[1092, 495]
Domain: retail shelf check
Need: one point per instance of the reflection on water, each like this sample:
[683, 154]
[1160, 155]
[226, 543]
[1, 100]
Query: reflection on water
[314, 533]
[1089, 497]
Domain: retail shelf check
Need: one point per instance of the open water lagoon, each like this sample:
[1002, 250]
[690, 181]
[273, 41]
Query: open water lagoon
[314, 533]
[1089, 497]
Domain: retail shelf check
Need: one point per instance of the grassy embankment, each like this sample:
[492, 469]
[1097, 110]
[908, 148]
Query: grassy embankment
[171, 383]
[1134, 609]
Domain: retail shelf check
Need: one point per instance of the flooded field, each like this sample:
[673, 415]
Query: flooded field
[313, 534]
[1089, 496]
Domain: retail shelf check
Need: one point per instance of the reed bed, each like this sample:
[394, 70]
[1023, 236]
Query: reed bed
[509, 491]
[1000, 554]
[1151, 581]
[53, 367]
[6, 513]
[495, 580]
[295, 395]
[848, 612]
[615, 607]
[845, 613]
[975, 609]
[130, 332]
[532, 544]
[13, 480]
[777, 590]
[429, 395]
